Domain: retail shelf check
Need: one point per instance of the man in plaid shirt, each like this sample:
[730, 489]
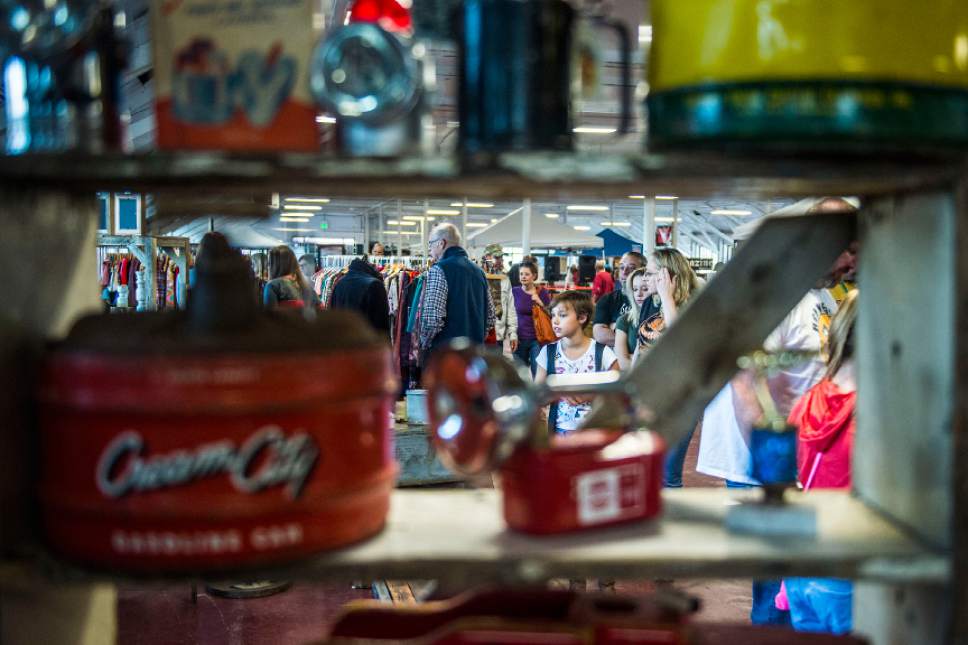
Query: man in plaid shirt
[456, 300]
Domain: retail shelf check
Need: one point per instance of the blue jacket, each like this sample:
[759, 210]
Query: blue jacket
[467, 298]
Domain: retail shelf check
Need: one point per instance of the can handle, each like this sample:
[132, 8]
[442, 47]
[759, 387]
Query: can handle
[625, 50]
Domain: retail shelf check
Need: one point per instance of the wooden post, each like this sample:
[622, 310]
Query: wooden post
[958, 632]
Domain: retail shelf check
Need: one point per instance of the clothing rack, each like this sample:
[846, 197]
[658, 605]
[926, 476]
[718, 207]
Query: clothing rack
[262, 272]
[146, 249]
[409, 261]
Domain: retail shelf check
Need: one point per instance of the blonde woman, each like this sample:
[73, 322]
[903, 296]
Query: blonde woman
[637, 290]
[670, 276]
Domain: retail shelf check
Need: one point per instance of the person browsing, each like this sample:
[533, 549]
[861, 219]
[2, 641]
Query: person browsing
[525, 296]
[669, 276]
[574, 353]
[611, 306]
[456, 301]
[362, 289]
[637, 289]
[287, 287]
[603, 284]
[506, 319]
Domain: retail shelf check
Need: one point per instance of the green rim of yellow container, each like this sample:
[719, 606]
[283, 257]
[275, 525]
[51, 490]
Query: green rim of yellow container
[821, 114]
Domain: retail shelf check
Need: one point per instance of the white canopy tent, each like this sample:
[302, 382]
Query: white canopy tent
[545, 233]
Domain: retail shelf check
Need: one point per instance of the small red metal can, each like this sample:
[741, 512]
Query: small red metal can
[190, 441]
[590, 479]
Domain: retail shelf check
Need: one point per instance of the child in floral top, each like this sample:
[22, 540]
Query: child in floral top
[574, 353]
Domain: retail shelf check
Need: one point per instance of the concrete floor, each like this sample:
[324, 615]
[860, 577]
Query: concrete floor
[165, 614]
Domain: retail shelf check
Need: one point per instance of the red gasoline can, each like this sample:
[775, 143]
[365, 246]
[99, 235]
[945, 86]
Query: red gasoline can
[590, 479]
[217, 437]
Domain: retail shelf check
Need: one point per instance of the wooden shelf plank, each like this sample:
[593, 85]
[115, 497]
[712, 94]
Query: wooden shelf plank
[536, 175]
[458, 536]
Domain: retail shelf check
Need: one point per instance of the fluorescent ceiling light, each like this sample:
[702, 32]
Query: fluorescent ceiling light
[477, 225]
[295, 230]
[552, 215]
[325, 119]
[495, 220]
[645, 33]
[396, 222]
[308, 200]
[665, 220]
[293, 219]
[590, 129]
[636, 196]
[442, 211]
[473, 205]
[726, 211]
[324, 240]
[302, 207]
[583, 228]
[586, 207]
[417, 218]
[666, 197]
[401, 233]
[618, 224]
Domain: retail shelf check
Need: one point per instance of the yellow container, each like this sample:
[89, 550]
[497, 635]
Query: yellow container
[873, 70]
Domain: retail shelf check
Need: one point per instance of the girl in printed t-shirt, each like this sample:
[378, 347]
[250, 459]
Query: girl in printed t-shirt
[574, 353]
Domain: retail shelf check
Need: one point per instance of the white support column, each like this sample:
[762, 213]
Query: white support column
[399, 227]
[366, 232]
[648, 225]
[423, 228]
[381, 227]
[675, 224]
[526, 228]
[463, 223]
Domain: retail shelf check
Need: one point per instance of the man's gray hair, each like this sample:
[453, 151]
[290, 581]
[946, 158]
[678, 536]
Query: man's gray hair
[446, 231]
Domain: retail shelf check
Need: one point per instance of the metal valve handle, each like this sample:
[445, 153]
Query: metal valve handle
[482, 406]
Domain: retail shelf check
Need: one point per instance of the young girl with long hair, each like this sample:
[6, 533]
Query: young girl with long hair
[637, 290]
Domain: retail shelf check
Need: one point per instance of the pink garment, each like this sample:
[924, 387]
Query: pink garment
[825, 440]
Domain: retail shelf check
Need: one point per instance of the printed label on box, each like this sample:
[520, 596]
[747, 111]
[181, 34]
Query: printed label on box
[610, 494]
[233, 74]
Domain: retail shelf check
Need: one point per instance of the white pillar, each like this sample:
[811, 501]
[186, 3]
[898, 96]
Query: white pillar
[381, 222]
[399, 227]
[675, 224]
[526, 228]
[648, 225]
[463, 223]
[423, 229]
[366, 233]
